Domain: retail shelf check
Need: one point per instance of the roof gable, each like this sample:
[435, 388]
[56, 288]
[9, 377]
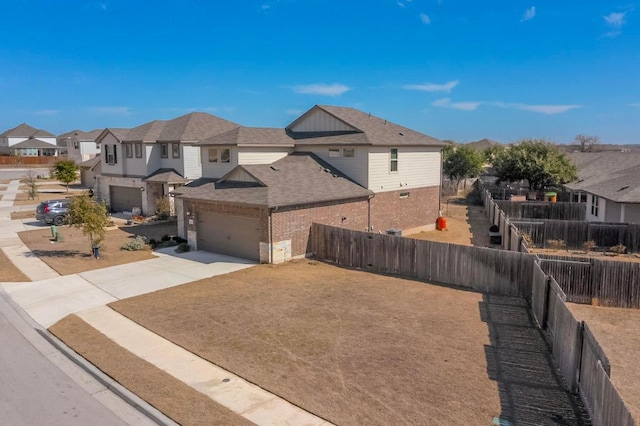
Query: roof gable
[251, 136]
[26, 131]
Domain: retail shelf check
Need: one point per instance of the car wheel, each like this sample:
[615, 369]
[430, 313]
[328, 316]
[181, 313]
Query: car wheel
[59, 220]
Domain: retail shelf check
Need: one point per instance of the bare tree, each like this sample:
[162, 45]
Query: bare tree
[587, 143]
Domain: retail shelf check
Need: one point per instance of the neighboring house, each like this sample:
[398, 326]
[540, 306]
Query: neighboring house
[142, 164]
[80, 146]
[390, 181]
[89, 171]
[28, 141]
[609, 185]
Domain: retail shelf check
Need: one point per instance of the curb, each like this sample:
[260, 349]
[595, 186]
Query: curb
[125, 394]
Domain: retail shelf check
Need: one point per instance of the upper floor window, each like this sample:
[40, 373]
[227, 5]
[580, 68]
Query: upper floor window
[138, 149]
[219, 155]
[128, 150]
[393, 163]
[595, 201]
[164, 150]
[213, 155]
[225, 155]
[348, 152]
[175, 150]
[76, 144]
[112, 154]
[334, 152]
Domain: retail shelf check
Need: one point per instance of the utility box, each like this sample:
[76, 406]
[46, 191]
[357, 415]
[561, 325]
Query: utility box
[394, 231]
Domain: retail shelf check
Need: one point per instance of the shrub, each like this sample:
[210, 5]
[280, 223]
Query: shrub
[556, 244]
[163, 208]
[589, 245]
[153, 242]
[618, 249]
[138, 243]
[528, 239]
[165, 238]
[182, 248]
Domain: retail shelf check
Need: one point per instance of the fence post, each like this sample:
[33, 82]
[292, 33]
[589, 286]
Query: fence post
[545, 314]
[575, 380]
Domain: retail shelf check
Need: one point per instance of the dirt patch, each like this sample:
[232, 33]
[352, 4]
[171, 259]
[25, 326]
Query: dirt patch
[25, 214]
[349, 346]
[23, 198]
[175, 399]
[616, 329]
[467, 225]
[9, 272]
[73, 255]
[630, 257]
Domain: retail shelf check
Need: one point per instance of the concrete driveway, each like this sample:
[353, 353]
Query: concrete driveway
[48, 301]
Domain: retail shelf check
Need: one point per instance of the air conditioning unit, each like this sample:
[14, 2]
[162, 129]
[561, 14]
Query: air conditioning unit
[394, 231]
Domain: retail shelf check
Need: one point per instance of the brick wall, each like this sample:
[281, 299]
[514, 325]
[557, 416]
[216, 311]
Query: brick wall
[418, 210]
[294, 224]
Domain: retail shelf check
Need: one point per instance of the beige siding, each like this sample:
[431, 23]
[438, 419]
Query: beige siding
[115, 169]
[632, 213]
[601, 209]
[217, 170]
[355, 168]
[259, 155]
[318, 121]
[417, 167]
[133, 166]
[191, 161]
[240, 175]
[613, 212]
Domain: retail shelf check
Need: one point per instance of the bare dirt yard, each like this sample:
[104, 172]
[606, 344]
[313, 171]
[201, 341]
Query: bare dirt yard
[9, 272]
[467, 225]
[73, 254]
[180, 402]
[349, 346]
[617, 331]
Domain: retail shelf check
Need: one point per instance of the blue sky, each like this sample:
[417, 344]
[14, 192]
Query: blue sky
[453, 69]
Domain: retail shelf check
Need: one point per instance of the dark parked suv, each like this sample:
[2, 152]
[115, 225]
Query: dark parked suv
[52, 211]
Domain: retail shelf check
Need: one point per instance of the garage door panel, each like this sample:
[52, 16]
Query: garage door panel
[125, 198]
[231, 235]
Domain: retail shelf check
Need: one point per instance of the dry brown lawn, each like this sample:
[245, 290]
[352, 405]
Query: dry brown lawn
[175, 399]
[73, 255]
[349, 346]
[9, 272]
[25, 214]
[23, 199]
[618, 331]
[467, 225]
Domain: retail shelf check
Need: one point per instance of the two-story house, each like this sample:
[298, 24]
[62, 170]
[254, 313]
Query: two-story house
[28, 141]
[80, 146]
[262, 188]
[144, 163]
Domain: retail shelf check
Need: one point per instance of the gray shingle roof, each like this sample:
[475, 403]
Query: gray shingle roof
[299, 178]
[611, 175]
[90, 163]
[26, 131]
[34, 143]
[251, 136]
[377, 131]
[81, 135]
[165, 175]
[191, 127]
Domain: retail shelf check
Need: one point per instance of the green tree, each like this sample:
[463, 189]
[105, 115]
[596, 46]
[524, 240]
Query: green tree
[539, 162]
[492, 152]
[447, 150]
[462, 163]
[66, 171]
[90, 217]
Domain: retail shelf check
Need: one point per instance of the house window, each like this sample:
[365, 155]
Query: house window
[404, 195]
[393, 164]
[213, 155]
[349, 152]
[76, 144]
[112, 155]
[164, 150]
[128, 150]
[138, 148]
[175, 150]
[225, 156]
[334, 152]
[595, 200]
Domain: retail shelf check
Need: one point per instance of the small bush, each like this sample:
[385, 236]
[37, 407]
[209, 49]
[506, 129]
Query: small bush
[165, 238]
[153, 242]
[589, 245]
[163, 208]
[618, 249]
[138, 243]
[556, 244]
[182, 248]
[528, 239]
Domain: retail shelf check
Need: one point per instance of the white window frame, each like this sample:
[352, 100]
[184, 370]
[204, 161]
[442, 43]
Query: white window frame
[393, 160]
[595, 204]
[334, 152]
[164, 150]
[349, 152]
[138, 150]
[175, 150]
[225, 155]
[128, 149]
[111, 155]
[213, 155]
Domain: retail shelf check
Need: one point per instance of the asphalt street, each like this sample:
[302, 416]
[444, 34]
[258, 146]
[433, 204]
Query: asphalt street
[8, 174]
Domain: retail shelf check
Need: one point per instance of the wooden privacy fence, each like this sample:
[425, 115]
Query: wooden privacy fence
[580, 357]
[542, 210]
[14, 160]
[481, 269]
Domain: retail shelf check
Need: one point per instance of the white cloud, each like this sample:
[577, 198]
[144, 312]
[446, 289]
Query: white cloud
[543, 109]
[431, 87]
[401, 4]
[615, 19]
[465, 106]
[293, 112]
[115, 110]
[425, 18]
[47, 112]
[266, 6]
[635, 105]
[335, 89]
[529, 14]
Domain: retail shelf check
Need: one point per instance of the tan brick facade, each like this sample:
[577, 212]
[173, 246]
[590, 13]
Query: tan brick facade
[416, 212]
[294, 224]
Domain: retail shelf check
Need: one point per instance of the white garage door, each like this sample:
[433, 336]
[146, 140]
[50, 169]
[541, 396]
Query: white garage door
[123, 198]
[231, 235]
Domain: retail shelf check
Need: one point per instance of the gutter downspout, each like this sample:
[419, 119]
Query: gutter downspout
[270, 235]
[369, 212]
